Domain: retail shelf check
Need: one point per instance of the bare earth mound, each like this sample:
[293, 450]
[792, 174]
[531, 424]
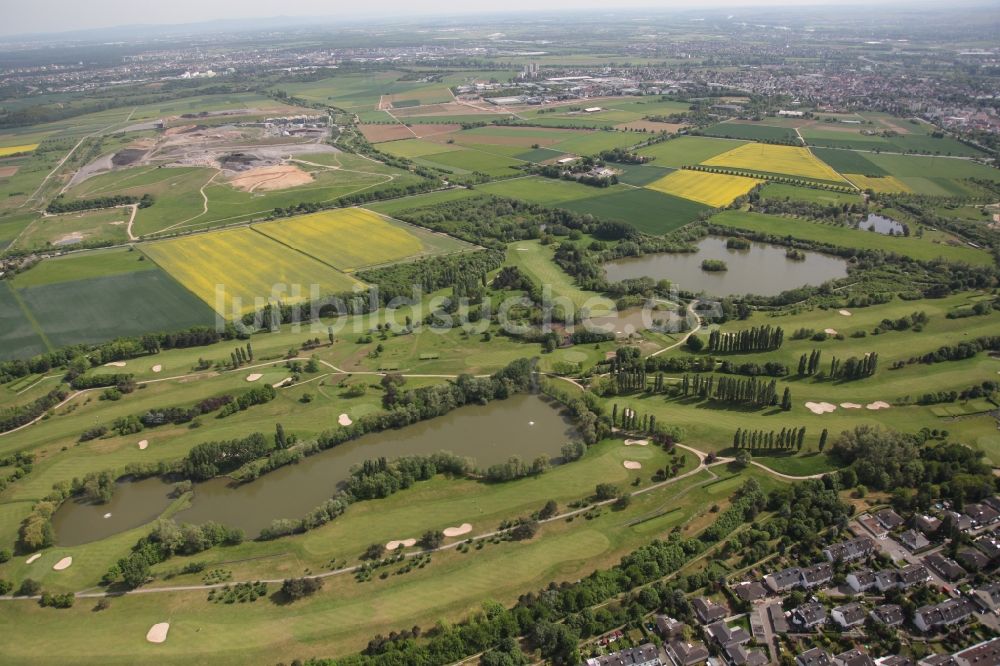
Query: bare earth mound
[279, 177]
[464, 528]
[830, 331]
[158, 632]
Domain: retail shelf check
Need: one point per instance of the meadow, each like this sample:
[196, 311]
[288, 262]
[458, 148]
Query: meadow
[250, 267]
[711, 189]
[780, 191]
[750, 131]
[100, 226]
[769, 158]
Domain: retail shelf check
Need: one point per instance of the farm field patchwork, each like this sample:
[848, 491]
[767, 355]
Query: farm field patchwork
[250, 267]
[688, 150]
[711, 189]
[352, 238]
[775, 159]
[878, 184]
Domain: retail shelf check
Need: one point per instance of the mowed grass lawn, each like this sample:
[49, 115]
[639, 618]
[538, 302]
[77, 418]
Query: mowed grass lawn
[775, 159]
[352, 238]
[245, 267]
[537, 260]
[712, 189]
[911, 246]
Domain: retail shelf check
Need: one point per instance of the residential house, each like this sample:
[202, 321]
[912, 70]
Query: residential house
[854, 657]
[737, 655]
[725, 635]
[708, 611]
[849, 615]
[808, 615]
[894, 660]
[960, 520]
[668, 627]
[986, 653]
[928, 524]
[913, 540]
[891, 615]
[944, 614]
[904, 578]
[989, 545]
[749, 591]
[889, 519]
[814, 657]
[816, 575]
[861, 580]
[981, 514]
[938, 660]
[784, 580]
[945, 567]
[988, 596]
[972, 559]
[993, 502]
[687, 653]
[777, 617]
[644, 655]
[869, 523]
[850, 550]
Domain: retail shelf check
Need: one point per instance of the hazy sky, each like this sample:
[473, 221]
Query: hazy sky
[28, 16]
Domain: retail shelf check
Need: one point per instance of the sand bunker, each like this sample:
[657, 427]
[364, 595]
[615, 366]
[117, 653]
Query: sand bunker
[636, 442]
[846, 313]
[403, 543]
[522, 249]
[878, 404]
[820, 407]
[115, 364]
[281, 383]
[157, 368]
[344, 420]
[632, 464]
[64, 563]
[279, 177]
[464, 528]
[143, 444]
[830, 331]
[32, 558]
[158, 632]
[850, 405]
[254, 377]
[107, 515]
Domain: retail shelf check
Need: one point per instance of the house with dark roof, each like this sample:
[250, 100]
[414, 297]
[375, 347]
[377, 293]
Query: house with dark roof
[972, 559]
[808, 615]
[861, 580]
[894, 660]
[981, 514]
[889, 519]
[944, 614]
[913, 540]
[687, 653]
[850, 550]
[960, 520]
[749, 591]
[725, 635]
[853, 657]
[814, 657]
[928, 524]
[993, 502]
[737, 655]
[945, 567]
[778, 620]
[668, 627]
[784, 580]
[891, 615]
[987, 596]
[816, 575]
[869, 523]
[904, 578]
[644, 655]
[938, 660]
[986, 653]
[708, 611]
[849, 615]
[989, 545]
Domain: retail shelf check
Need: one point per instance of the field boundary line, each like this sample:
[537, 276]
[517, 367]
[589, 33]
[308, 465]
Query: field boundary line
[30, 317]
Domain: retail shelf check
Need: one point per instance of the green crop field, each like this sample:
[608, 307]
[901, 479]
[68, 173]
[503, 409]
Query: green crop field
[19, 337]
[539, 190]
[849, 161]
[82, 266]
[779, 191]
[395, 206]
[688, 150]
[918, 248]
[751, 132]
[648, 211]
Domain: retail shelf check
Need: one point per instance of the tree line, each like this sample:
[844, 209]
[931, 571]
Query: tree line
[769, 440]
[60, 205]
[754, 339]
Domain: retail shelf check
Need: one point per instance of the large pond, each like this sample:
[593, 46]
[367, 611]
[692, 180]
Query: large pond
[763, 269]
[882, 225]
[524, 425]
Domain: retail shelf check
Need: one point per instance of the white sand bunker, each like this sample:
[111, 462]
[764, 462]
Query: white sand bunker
[107, 515]
[344, 420]
[464, 528]
[636, 442]
[402, 543]
[846, 313]
[32, 558]
[143, 444]
[64, 563]
[878, 404]
[820, 407]
[522, 249]
[157, 368]
[115, 364]
[830, 331]
[850, 405]
[281, 383]
[254, 377]
[158, 632]
[632, 464]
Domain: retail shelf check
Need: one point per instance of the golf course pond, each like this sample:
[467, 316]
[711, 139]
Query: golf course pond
[763, 269]
[523, 425]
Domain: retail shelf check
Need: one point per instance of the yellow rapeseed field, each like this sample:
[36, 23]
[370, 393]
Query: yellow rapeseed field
[349, 238]
[883, 185]
[13, 150]
[769, 158]
[248, 265]
[712, 189]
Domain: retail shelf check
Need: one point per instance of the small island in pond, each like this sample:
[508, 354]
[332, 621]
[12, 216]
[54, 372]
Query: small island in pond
[714, 265]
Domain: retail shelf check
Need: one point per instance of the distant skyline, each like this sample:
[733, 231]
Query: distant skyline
[53, 16]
